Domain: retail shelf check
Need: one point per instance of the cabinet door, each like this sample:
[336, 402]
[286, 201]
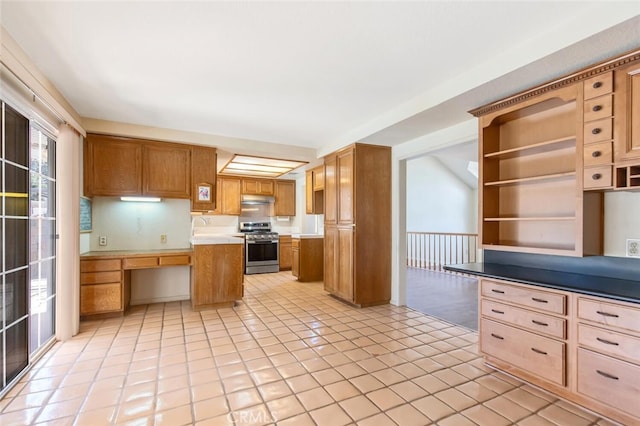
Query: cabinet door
[330, 191]
[345, 187]
[112, 166]
[627, 114]
[285, 254]
[285, 195]
[257, 187]
[309, 191]
[331, 259]
[167, 170]
[318, 178]
[345, 287]
[228, 196]
[203, 172]
[295, 262]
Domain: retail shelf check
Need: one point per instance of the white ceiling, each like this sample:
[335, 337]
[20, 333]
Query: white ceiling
[308, 74]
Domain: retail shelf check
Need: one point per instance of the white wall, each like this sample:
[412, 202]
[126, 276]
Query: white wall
[621, 221]
[437, 200]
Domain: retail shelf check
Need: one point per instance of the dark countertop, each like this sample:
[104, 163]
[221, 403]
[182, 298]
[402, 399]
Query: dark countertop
[594, 285]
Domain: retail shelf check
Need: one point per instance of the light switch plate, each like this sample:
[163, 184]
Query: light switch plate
[633, 248]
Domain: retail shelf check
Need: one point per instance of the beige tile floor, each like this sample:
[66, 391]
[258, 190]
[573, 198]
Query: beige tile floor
[288, 354]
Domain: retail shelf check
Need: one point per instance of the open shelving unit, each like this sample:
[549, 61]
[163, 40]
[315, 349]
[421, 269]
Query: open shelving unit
[532, 199]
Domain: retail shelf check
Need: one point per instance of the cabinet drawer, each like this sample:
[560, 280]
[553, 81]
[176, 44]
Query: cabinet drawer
[100, 265]
[611, 314]
[100, 277]
[598, 85]
[539, 355]
[174, 260]
[597, 131]
[613, 382]
[100, 298]
[609, 342]
[538, 299]
[597, 108]
[597, 177]
[596, 154]
[534, 321]
[295, 243]
[139, 262]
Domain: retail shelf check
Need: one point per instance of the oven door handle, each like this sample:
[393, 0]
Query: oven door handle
[262, 242]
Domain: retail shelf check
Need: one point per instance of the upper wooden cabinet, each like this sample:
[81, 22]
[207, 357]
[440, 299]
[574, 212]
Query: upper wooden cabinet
[314, 190]
[117, 166]
[258, 186]
[112, 166]
[357, 244]
[285, 194]
[166, 170]
[531, 178]
[228, 196]
[203, 174]
[627, 111]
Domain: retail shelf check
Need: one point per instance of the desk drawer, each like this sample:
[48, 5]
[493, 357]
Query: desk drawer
[525, 296]
[539, 355]
[100, 277]
[610, 314]
[533, 321]
[174, 260]
[100, 298]
[140, 262]
[613, 382]
[100, 265]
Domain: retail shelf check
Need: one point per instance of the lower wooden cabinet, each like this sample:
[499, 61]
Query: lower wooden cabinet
[285, 252]
[104, 287]
[584, 349]
[308, 256]
[217, 275]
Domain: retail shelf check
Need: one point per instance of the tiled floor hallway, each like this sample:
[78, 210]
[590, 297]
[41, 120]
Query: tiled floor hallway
[289, 354]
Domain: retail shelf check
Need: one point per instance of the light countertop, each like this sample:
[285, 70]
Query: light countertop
[305, 236]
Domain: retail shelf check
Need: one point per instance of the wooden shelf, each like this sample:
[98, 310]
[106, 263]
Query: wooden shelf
[539, 218]
[532, 179]
[537, 148]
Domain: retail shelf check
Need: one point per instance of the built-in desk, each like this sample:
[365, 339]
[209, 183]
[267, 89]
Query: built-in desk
[105, 277]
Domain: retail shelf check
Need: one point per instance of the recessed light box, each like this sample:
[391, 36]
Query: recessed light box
[246, 165]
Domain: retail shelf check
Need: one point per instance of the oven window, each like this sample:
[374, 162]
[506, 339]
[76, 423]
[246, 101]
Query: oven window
[262, 252]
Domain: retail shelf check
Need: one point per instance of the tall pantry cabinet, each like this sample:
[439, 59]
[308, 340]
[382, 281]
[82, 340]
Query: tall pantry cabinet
[357, 242]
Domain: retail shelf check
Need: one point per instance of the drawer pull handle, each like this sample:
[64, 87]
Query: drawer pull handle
[536, 299]
[597, 85]
[605, 341]
[596, 131]
[597, 108]
[497, 291]
[538, 351]
[496, 336]
[596, 154]
[497, 311]
[596, 176]
[607, 314]
[544, 324]
[607, 375]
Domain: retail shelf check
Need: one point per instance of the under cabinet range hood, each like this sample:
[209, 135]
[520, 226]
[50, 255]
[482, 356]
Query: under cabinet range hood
[257, 199]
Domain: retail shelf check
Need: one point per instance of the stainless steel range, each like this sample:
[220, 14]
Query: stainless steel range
[261, 248]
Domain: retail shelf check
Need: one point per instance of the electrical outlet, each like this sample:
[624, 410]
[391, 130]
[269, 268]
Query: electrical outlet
[102, 240]
[633, 248]
[163, 239]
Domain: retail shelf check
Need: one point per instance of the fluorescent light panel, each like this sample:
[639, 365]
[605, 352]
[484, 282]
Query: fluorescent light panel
[246, 165]
[142, 199]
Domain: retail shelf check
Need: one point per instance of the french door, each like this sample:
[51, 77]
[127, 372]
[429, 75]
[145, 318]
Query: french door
[27, 243]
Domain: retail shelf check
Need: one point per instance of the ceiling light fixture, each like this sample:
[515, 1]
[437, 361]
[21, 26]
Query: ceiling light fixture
[142, 199]
[246, 165]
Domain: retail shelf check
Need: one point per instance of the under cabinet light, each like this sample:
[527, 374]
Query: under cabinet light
[142, 199]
